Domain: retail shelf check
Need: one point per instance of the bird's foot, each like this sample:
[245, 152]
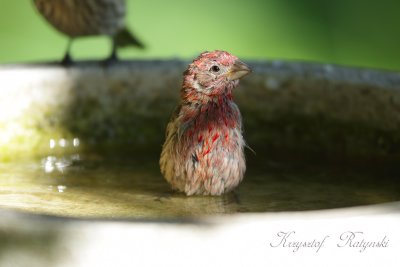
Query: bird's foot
[67, 60]
[111, 60]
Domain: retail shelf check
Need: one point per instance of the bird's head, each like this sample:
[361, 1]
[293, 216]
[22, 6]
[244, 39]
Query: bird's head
[213, 74]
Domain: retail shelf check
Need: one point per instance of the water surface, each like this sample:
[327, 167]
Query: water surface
[108, 186]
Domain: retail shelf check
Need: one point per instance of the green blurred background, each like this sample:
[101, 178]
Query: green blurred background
[353, 32]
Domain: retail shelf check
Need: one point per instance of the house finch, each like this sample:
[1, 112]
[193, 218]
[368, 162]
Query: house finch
[77, 18]
[203, 151]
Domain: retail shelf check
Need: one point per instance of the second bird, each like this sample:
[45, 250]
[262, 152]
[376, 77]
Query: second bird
[77, 18]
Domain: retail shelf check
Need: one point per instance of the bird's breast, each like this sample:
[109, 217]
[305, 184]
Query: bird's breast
[215, 128]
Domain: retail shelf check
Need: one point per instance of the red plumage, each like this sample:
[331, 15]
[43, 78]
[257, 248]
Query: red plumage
[203, 150]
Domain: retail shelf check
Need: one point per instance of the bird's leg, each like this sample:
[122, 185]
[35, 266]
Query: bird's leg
[113, 58]
[67, 60]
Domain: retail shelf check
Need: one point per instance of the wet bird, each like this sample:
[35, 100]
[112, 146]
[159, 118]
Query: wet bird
[78, 18]
[203, 151]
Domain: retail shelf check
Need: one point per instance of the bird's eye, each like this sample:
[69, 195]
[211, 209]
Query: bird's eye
[214, 68]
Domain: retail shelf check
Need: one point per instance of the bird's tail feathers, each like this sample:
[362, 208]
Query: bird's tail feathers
[125, 38]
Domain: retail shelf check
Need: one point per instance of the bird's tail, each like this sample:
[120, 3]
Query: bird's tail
[125, 38]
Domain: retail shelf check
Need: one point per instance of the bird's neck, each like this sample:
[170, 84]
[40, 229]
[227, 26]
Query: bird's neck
[197, 94]
[218, 110]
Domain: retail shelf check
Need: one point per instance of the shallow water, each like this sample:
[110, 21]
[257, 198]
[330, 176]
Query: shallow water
[132, 187]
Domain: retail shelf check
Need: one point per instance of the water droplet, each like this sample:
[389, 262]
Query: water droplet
[76, 142]
[75, 157]
[52, 143]
[61, 188]
[63, 143]
[62, 163]
[48, 164]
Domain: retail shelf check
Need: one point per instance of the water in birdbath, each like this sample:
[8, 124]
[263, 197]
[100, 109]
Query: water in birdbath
[110, 186]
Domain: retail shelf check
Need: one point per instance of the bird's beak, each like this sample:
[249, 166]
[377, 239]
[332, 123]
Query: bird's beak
[238, 70]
